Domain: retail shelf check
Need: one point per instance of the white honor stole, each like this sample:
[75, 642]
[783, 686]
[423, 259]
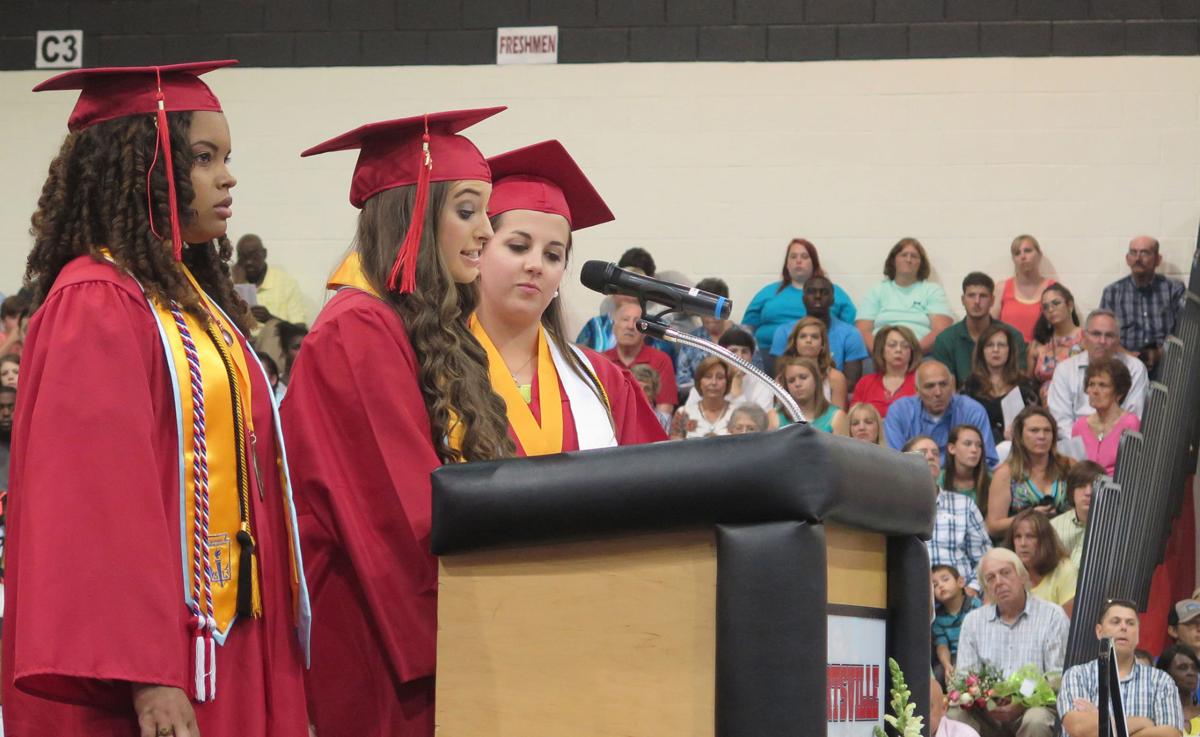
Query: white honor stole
[593, 423]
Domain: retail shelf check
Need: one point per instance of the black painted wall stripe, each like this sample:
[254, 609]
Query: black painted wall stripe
[297, 33]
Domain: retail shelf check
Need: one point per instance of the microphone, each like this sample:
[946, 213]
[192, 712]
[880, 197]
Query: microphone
[608, 278]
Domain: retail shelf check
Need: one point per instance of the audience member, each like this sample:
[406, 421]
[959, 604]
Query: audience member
[1012, 631]
[866, 424]
[277, 294]
[1145, 303]
[1056, 336]
[905, 297]
[802, 379]
[278, 388]
[8, 404]
[956, 346]
[959, 538]
[996, 374]
[1071, 524]
[1183, 623]
[1144, 657]
[1034, 474]
[1068, 399]
[291, 337]
[742, 386]
[12, 309]
[1149, 696]
[1052, 575]
[965, 471]
[747, 418]
[10, 369]
[710, 329]
[845, 342]
[935, 410]
[1182, 665]
[939, 724]
[1020, 294]
[710, 415]
[597, 333]
[895, 353]
[647, 377]
[1107, 382]
[809, 339]
[953, 603]
[782, 302]
[631, 349]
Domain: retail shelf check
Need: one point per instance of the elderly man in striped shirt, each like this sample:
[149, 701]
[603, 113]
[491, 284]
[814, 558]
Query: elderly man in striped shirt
[1015, 630]
[1149, 695]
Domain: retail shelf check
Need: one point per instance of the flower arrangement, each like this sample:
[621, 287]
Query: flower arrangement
[902, 718]
[988, 688]
[976, 690]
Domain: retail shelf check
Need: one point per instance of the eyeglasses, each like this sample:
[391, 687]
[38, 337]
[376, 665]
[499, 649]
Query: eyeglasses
[1098, 335]
[1138, 255]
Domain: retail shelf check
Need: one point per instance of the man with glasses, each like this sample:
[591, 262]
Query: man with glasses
[1068, 400]
[1146, 304]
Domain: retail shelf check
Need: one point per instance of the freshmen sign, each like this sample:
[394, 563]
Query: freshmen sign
[530, 45]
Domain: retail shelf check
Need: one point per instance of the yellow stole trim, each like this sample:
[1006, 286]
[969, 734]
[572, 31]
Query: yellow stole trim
[535, 439]
[223, 487]
[349, 273]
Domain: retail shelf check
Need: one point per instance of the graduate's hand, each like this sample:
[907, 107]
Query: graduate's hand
[262, 314]
[163, 711]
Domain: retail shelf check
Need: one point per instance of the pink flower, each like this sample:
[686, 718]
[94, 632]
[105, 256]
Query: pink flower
[972, 680]
[953, 696]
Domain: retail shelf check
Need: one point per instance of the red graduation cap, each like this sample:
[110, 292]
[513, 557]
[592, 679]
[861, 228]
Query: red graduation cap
[416, 150]
[544, 178]
[108, 93]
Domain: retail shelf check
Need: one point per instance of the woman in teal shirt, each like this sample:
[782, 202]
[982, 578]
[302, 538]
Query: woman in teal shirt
[782, 302]
[906, 298]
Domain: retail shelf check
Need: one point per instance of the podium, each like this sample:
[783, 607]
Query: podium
[737, 586]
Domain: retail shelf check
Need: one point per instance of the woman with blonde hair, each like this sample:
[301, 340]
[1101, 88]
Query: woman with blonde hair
[1020, 294]
[802, 379]
[865, 424]
[810, 339]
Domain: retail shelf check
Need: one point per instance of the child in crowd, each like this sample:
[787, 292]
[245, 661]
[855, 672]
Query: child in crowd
[866, 424]
[953, 603]
[648, 378]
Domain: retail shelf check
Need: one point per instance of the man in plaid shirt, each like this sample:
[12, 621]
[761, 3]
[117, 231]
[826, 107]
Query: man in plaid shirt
[1149, 695]
[1145, 303]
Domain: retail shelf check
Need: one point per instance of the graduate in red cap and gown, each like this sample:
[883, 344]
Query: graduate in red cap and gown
[154, 580]
[389, 386]
[558, 397]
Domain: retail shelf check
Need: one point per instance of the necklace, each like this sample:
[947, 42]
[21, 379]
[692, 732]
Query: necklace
[520, 369]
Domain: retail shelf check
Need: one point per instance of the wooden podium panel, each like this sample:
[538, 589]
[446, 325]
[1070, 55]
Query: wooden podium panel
[609, 638]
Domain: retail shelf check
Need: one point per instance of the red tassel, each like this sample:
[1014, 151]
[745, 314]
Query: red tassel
[406, 259]
[164, 141]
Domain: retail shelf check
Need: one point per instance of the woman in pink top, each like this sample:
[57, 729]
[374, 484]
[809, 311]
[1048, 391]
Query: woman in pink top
[1020, 296]
[896, 354]
[1107, 381]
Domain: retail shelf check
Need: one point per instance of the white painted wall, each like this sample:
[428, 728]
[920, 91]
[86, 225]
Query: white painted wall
[714, 167]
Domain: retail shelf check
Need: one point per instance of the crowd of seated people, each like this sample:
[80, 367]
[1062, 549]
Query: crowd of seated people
[1017, 409]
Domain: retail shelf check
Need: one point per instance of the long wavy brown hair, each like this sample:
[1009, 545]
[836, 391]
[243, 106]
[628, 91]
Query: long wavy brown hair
[453, 372]
[95, 197]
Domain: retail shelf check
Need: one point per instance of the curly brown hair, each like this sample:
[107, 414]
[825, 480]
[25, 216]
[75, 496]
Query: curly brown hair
[95, 197]
[453, 372]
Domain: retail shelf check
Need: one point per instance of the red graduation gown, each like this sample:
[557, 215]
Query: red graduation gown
[361, 451]
[635, 419]
[94, 588]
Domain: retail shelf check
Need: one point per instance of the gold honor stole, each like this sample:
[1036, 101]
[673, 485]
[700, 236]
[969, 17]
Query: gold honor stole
[535, 439]
[349, 274]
